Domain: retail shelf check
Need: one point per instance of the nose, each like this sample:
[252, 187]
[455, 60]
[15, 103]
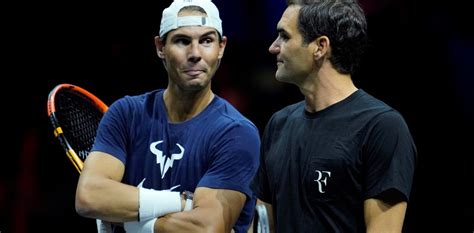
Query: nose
[194, 53]
[274, 47]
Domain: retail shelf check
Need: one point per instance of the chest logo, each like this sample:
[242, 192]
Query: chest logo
[162, 159]
[322, 179]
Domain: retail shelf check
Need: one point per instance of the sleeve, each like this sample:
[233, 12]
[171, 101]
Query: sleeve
[235, 159]
[389, 155]
[111, 134]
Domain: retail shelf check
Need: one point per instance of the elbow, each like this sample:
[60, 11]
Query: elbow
[84, 203]
[83, 207]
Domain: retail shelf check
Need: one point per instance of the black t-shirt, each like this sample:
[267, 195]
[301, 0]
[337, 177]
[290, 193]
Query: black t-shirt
[317, 169]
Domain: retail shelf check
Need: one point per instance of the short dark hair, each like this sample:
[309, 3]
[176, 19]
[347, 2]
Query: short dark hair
[343, 22]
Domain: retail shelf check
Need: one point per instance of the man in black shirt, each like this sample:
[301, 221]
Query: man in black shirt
[340, 160]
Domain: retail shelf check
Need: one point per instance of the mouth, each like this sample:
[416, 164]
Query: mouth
[193, 72]
[279, 61]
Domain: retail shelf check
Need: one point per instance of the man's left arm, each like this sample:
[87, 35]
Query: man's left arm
[385, 213]
[214, 210]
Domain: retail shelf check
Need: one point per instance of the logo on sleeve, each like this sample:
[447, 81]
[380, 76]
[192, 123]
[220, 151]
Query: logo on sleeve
[162, 159]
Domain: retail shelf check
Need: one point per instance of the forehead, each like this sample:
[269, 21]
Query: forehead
[192, 31]
[289, 19]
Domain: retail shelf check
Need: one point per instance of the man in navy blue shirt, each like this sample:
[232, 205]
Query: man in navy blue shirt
[151, 147]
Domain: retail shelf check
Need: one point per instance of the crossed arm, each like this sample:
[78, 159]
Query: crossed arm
[214, 210]
[101, 195]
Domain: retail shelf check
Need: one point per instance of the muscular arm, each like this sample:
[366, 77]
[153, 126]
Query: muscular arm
[214, 210]
[383, 217]
[100, 194]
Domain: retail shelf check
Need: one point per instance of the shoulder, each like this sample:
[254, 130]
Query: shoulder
[138, 99]
[384, 124]
[390, 121]
[287, 113]
[368, 108]
[381, 113]
[130, 102]
[230, 116]
[290, 109]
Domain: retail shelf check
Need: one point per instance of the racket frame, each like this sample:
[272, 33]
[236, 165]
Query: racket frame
[58, 131]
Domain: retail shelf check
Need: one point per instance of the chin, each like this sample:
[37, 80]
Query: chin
[280, 77]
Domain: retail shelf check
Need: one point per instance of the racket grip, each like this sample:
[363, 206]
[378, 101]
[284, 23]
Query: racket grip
[103, 227]
[140, 227]
[189, 201]
[263, 225]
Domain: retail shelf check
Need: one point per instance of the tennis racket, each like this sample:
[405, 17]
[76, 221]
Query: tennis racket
[75, 114]
[261, 224]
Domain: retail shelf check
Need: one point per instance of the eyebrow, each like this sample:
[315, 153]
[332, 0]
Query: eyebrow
[213, 32]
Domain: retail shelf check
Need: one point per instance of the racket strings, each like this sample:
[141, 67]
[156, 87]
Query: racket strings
[79, 117]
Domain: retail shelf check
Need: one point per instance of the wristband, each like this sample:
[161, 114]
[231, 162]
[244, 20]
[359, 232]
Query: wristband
[154, 203]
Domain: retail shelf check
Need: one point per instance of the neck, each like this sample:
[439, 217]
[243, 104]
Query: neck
[326, 88]
[182, 106]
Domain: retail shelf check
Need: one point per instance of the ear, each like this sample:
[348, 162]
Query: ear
[322, 47]
[222, 45]
[159, 47]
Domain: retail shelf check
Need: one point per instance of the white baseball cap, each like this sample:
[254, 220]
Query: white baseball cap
[171, 21]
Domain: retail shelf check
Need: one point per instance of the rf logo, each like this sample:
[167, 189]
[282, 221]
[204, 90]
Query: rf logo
[322, 178]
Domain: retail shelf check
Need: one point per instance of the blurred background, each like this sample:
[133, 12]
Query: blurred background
[420, 62]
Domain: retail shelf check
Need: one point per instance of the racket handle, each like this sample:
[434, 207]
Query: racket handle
[263, 225]
[140, 227]
[103, 227]
[189, 201]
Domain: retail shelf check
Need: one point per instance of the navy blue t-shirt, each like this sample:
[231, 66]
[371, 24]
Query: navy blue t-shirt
[218, 148]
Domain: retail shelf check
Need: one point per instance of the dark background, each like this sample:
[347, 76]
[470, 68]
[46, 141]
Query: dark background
[420, 62]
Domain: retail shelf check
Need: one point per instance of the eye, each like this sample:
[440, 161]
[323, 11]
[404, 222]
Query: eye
[283, 36]
[206, 40]
[181, 41]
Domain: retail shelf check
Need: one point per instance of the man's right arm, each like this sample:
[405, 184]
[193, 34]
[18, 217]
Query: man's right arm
[100, 193]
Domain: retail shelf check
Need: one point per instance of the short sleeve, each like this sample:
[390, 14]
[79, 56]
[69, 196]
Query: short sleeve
[234, 158]
[389, 155]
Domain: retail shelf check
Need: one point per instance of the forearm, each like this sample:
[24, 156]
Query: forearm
[384, 217]
[107, 199]
[197, 220]
[213, 211]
